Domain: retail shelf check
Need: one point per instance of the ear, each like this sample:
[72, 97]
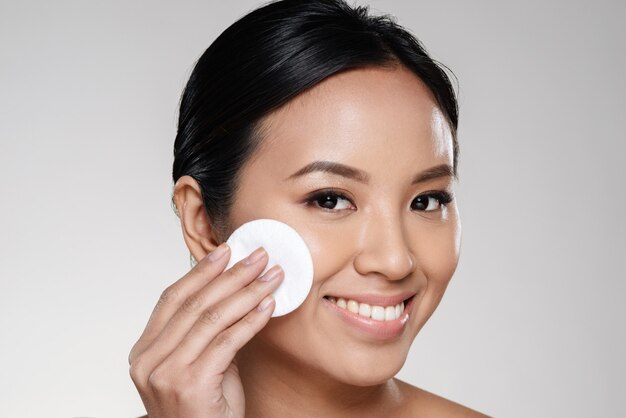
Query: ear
[197, 230]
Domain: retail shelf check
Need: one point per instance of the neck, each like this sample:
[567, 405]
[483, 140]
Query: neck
[277, 384]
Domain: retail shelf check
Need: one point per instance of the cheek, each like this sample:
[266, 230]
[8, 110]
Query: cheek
[439, 252]
[438, 259]
[295, 334]
[439, 256]
[330, 249]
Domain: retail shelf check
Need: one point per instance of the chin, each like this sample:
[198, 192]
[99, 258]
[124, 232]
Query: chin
[368, 366]
[368, 376]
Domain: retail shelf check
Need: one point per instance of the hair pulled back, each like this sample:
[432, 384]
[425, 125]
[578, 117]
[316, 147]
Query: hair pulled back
[268, 57]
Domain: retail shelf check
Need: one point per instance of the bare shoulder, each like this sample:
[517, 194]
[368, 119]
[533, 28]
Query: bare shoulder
[428, 404]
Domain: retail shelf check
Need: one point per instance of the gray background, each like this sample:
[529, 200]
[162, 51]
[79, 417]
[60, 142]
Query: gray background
[533, 321]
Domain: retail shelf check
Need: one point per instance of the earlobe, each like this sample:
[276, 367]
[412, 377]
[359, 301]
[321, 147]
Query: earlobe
[196, 226]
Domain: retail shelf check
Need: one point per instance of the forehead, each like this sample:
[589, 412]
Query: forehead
[371, 118]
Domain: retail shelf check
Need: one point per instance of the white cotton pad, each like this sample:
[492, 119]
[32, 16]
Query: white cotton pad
[284, 247]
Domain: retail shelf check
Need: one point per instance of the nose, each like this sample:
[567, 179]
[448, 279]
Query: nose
[384, 249]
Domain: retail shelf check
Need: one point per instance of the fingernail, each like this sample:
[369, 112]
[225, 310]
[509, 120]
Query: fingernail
[255, 256]
[219, 252]
[271, 274]
[265, 303]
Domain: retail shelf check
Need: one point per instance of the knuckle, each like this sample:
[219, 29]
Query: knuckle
[159, 380]
[131, 355]
[192, 304]
[210, 316]
[168, 296]
[224, 340]
[136, 351]
[249, 320]
[136, 370]
[238, 269]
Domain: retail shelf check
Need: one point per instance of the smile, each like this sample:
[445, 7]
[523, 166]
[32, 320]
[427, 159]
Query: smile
[376, 312]
[377, 317]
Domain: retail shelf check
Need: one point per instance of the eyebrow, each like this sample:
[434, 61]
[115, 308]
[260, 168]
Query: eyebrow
[438, 171]
[332, 168]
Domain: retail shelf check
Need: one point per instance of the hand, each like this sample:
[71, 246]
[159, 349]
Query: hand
[183, 363]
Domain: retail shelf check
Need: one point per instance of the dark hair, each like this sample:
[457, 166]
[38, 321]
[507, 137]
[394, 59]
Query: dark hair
[268, 57]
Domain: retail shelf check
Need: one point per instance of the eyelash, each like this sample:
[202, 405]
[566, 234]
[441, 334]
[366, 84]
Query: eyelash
[441, 196]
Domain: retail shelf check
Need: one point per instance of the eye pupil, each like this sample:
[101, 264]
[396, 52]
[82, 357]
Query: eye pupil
[328, 202]
[420, 203]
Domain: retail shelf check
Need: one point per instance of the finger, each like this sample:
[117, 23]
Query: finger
[220, 353]
[227, 312]
[227, 283]
[170, 300]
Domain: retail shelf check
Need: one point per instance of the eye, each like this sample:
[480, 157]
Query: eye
[330, 200]
[431, 202]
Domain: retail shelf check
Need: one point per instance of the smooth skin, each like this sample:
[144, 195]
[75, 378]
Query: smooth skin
[372, 226]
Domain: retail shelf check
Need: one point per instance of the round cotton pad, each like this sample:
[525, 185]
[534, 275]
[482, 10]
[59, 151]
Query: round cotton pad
[285, 247]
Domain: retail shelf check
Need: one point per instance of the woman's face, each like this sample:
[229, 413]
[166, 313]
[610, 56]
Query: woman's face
[347, 165]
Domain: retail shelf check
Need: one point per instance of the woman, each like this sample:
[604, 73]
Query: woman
[338, 124]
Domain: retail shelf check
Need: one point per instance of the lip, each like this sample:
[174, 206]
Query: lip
[377, 330]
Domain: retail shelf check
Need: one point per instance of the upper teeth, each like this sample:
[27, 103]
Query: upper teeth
[378, 313]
